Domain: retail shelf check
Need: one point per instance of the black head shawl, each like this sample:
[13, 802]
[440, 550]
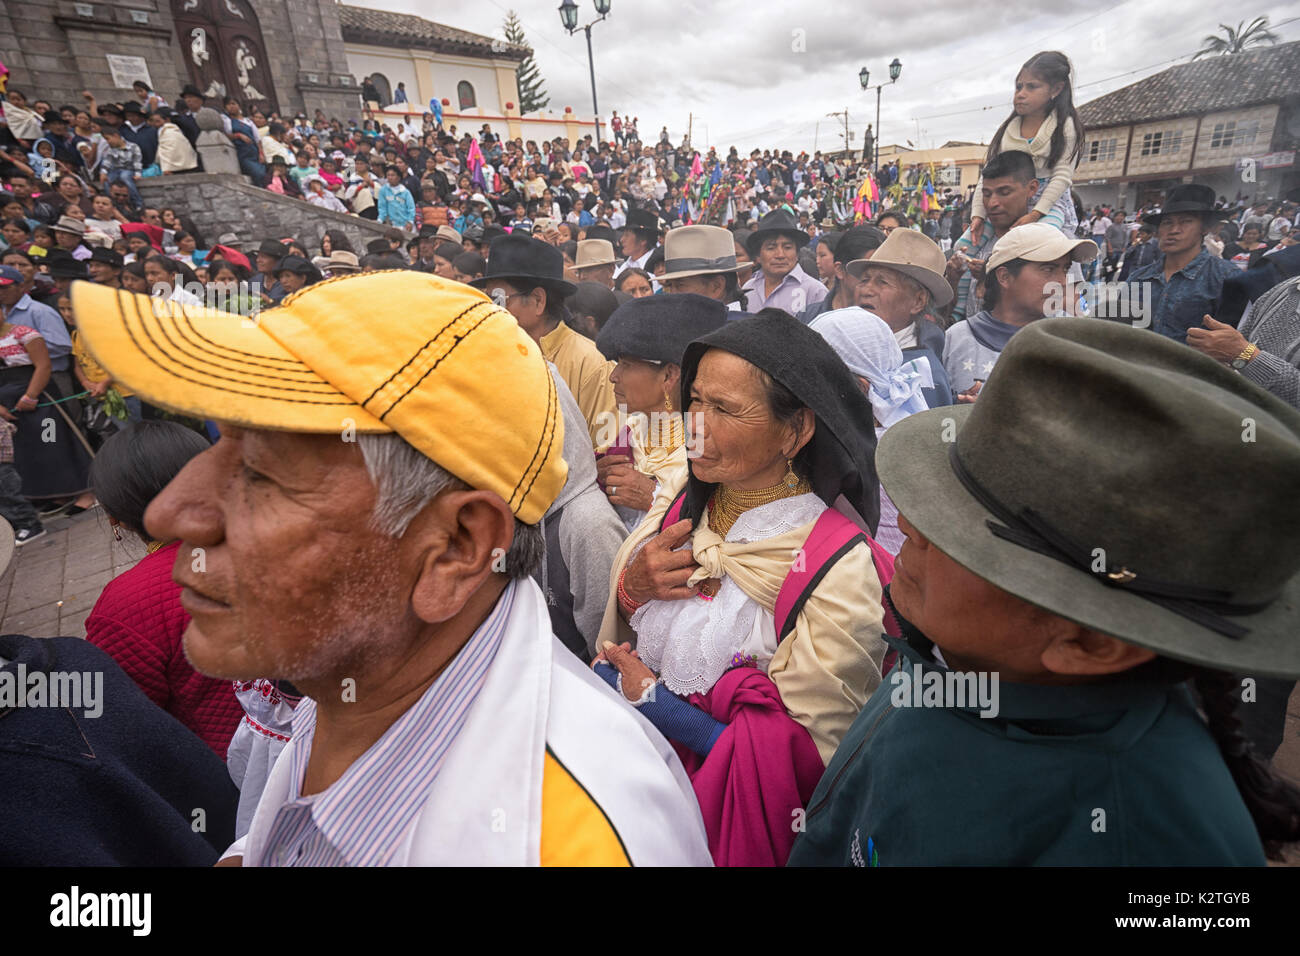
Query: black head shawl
[841, 456]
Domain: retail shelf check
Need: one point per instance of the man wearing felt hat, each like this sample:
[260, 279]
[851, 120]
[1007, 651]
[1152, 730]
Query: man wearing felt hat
[1186, 282]
[526, 277]
[69, 233]
[702, 260]
[595, 262]
[1042, 711]
[105, 266]
[639, 240]
[135, 129]
[369, 522]
[779, 282]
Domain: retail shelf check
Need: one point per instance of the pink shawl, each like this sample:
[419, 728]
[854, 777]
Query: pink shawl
[762, 769]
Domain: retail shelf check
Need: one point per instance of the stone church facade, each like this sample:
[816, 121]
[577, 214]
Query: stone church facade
[269, 54]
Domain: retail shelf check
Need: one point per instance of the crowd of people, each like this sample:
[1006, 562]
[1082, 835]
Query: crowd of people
[644, 523]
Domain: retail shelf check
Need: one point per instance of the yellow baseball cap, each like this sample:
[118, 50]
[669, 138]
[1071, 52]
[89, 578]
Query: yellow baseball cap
[433, 360]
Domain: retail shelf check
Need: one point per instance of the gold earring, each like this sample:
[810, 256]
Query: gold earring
[791, 479]
[668, 402]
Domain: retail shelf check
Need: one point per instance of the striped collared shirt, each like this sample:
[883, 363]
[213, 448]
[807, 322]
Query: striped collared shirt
[796, 291]
[362, 818]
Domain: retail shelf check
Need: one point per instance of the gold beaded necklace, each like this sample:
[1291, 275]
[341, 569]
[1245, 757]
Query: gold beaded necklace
[727, 504]
[669, 434]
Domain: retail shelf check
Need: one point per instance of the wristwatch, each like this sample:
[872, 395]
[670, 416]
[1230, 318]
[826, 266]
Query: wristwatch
[1246, 355]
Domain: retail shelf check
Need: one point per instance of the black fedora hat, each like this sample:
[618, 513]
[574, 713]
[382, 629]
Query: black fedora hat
[778, 222]
[298, 265]
[643, 219]
[1139, 413]
[110, 257]
[378, 247]
[1186, 197]
[657, 328]
[521, 257]
[131, 106]
[270, 247]
[62, 265]
[189, 89]
[109, 108]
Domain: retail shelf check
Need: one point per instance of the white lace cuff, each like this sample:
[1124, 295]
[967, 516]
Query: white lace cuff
[647, 695]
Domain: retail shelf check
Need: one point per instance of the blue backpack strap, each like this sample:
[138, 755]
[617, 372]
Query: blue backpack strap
[831, 538]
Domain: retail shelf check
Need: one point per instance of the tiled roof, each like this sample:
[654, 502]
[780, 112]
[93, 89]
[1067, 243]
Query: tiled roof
[1225, 82]
[363, 25]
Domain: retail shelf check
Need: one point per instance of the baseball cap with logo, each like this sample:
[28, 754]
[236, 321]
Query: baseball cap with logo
[10, 276]
[465, 386]
[1039, 242]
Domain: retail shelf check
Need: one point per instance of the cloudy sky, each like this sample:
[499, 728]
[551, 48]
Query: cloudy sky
[767, 72]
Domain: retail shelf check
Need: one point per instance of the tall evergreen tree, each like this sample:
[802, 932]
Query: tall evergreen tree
[532, 95]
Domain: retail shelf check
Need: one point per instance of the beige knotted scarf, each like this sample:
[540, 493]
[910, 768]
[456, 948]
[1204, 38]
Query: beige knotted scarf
[829, 664]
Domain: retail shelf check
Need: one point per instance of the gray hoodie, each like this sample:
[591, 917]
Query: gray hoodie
[582, 536]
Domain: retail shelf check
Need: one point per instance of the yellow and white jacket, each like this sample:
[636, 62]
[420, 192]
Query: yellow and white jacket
[552, 767]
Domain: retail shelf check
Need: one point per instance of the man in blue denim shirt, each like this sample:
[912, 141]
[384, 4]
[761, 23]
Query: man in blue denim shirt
[1186, 280]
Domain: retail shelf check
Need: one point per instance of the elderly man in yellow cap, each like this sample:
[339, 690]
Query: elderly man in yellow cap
[365, 527]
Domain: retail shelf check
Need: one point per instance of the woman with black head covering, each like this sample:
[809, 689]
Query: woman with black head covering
[294, 273]
[646, 339]
[766, 632]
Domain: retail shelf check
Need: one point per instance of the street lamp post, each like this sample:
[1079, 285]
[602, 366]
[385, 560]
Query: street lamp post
[569, 17]
[864, 77]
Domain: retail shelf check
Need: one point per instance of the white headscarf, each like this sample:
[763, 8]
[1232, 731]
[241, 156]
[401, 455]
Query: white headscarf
[868, 347]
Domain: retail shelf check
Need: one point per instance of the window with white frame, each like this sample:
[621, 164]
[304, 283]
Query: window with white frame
[1101, 150]
[1162, 141]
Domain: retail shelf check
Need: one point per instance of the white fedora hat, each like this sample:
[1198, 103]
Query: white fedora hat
[916, 256]
[699, 250]
[593, 253]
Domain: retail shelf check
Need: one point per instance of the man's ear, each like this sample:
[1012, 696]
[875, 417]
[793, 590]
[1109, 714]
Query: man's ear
[1077, 650]
[462, 538]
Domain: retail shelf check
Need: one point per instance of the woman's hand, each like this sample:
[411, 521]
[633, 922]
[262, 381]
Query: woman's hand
[659, 572]
[25, 404]
[626, 486]
[637, 677]
[976, 227]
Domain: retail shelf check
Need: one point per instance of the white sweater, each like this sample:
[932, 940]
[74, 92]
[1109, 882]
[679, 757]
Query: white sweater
[1060, 177]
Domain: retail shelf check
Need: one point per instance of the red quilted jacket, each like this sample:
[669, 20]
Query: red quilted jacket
[138, 620]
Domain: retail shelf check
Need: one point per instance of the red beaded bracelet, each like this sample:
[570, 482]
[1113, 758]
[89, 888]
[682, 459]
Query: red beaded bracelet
[624, 599]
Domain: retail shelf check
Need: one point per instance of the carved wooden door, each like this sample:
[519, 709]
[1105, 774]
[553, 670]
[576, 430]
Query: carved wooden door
[223, 48]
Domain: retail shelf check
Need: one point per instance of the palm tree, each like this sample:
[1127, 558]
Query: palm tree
[1238, 39]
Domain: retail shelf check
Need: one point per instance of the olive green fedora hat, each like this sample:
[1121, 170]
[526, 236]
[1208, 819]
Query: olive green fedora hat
[1122, 481]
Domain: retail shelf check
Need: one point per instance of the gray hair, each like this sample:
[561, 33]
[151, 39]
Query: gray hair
[915, 286]
[406, 481]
